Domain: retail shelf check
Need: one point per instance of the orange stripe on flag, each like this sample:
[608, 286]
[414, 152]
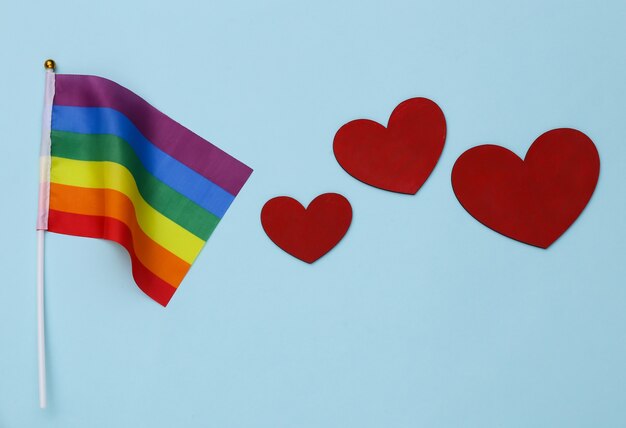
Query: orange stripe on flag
[114, 204]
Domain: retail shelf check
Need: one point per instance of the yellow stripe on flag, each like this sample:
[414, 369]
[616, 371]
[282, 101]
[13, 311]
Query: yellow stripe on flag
[111, 175]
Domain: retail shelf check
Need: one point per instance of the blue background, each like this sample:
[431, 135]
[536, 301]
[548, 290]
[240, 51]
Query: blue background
[421, 316]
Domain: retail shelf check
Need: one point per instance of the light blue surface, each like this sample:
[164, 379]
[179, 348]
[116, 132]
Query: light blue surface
[421, 317]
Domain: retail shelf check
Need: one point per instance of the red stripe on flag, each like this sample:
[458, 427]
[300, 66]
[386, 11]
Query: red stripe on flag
[114, 230]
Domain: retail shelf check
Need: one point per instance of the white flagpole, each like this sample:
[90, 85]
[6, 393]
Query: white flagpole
[42, 225]
[41, 329]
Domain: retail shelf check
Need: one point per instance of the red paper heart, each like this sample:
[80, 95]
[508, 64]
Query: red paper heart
[399, 157]
[534, 200]
[307, 233]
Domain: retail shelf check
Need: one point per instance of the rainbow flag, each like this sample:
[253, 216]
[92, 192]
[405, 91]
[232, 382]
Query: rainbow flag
[116, 168]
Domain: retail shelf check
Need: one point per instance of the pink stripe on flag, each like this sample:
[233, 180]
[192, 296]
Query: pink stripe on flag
[44, 203]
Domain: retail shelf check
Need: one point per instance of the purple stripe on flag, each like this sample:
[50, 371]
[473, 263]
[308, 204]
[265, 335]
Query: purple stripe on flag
[165, 133]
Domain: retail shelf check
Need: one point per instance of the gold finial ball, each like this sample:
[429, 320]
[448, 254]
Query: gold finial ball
[49, 64]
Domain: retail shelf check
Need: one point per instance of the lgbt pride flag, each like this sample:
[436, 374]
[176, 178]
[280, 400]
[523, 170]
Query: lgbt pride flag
[114, 167]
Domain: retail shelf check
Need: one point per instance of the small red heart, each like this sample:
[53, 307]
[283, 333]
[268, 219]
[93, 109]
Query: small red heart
[400, 157]
[307, 233]
[534, 200]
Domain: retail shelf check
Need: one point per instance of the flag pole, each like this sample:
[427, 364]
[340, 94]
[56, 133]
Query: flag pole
[42, 225]
[41, 339]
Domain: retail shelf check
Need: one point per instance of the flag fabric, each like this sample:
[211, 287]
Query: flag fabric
[119, 169]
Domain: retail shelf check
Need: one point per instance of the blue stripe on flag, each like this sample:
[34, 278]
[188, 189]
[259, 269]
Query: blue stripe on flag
[102, 120]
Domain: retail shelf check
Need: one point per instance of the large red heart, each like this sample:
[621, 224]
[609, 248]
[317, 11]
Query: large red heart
[534, 200]
[307, 233]
[399, 157]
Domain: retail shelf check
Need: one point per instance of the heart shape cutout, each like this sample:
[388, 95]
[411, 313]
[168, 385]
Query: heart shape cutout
[307, 233]
[399, 157]
[534, 200]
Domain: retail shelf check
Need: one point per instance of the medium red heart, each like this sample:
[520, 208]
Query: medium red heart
[400, 157]
[307, 233]
[534, 200]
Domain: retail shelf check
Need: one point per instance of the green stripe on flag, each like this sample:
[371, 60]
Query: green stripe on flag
[170, 203]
